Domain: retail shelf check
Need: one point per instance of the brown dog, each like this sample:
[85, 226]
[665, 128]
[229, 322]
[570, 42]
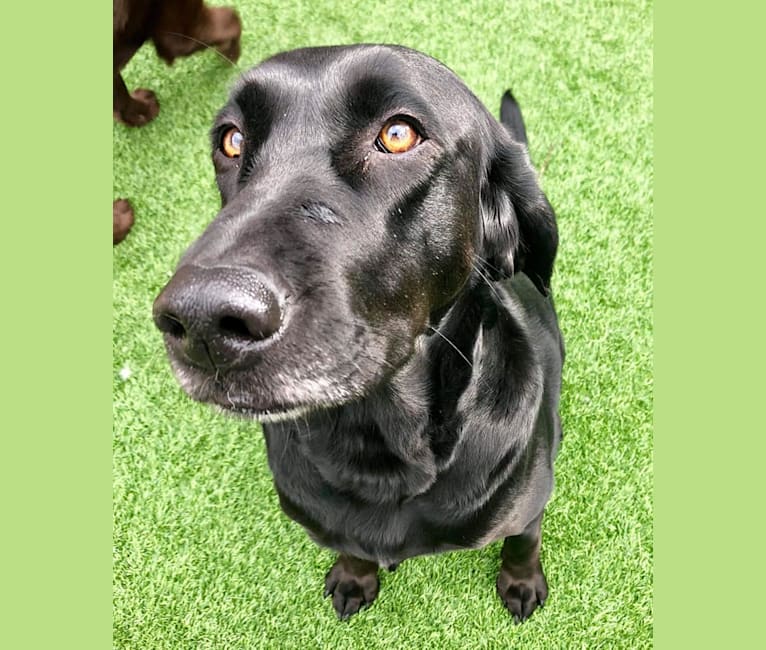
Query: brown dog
[177, 28]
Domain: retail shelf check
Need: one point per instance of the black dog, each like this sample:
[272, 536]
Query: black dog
[375, 289]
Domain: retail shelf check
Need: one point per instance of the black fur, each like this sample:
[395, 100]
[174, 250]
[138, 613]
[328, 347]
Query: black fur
[410, 393]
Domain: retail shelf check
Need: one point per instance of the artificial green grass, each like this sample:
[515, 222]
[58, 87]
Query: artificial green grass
[203, 556]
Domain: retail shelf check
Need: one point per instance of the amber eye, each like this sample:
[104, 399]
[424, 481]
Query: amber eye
[232, 143]
[398, 136]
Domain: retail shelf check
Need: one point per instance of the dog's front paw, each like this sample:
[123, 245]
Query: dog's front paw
[230, 49]
[122, 220]
[142, 109]
[353, 584]
[522, 595]
[228, 30]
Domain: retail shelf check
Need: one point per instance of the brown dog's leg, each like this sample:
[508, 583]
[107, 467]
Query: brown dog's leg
[353, 584]
[180, 33]
[134, 109]
[521, 583]
[122, 220]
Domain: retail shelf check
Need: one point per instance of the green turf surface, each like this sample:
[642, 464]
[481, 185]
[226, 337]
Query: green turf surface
[203, 557]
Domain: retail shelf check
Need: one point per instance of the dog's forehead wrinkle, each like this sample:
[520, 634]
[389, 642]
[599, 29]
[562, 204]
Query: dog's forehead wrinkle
[272, 77]
[312, 82]
[298, 73]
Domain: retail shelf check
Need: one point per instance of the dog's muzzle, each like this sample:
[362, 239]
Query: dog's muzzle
[217, 318]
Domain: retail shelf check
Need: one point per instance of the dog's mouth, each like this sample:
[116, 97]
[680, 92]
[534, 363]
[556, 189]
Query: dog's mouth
[273, 414]
[264, 396]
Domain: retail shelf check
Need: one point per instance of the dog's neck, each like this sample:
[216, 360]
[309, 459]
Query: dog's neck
[392, 444]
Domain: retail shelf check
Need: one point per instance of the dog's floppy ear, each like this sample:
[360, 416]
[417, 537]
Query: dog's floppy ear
[519, 226]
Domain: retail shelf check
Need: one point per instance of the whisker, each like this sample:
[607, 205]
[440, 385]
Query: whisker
[486, 263]
[305, 419]
[208, 46]
[550, 154]
[454, 347]
[492, 288]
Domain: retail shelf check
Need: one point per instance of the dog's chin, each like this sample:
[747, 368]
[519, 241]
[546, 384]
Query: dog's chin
[269, 415]
[265, 404]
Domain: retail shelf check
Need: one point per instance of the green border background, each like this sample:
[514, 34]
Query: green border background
[55, 459]
[55, 314]
[709, 359]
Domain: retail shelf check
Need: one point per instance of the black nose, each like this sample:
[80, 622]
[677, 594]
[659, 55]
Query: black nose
[215, 317]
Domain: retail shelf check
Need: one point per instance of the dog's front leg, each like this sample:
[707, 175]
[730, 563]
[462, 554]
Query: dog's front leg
[134, 109]
[521, 582]
[353, 583]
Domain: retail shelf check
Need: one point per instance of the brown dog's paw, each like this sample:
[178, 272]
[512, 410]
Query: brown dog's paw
[230, 50]
[228, 30]
[353, 584]
[142, 109]
[122, 220]
[522, 596]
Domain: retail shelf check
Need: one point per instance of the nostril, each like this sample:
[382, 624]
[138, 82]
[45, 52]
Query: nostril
[171, 324]
[257, 323]
[235, 327]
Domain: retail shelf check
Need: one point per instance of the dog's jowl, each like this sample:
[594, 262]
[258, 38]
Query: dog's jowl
[376, 291]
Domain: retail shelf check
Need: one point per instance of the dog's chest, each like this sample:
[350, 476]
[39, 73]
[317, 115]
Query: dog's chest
[357, 461]
[360, 498]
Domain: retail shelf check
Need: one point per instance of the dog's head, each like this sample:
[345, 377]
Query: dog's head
[363, 188]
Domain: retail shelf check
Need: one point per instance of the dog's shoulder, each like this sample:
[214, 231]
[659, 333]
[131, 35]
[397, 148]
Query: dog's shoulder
[538, 313]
